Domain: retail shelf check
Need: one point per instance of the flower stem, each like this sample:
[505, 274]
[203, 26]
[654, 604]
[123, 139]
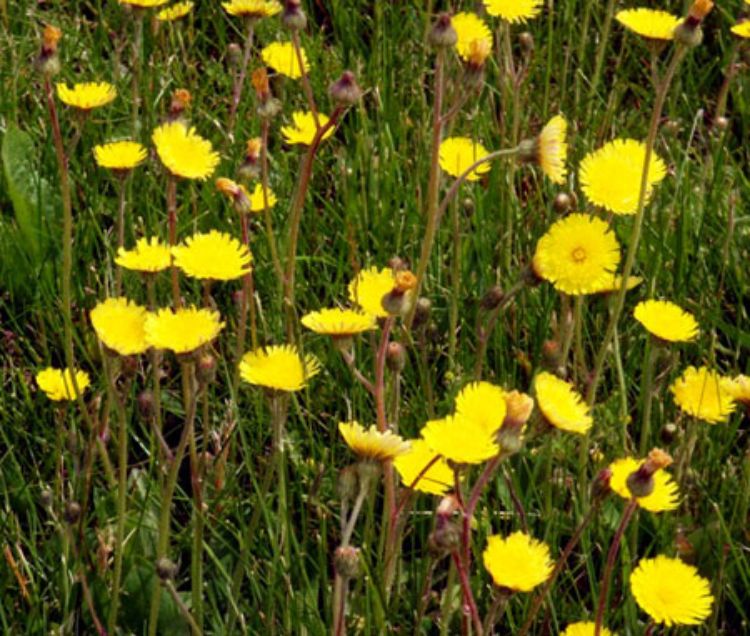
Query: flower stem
[469, 601]
[647, 392]
[120, 231]
[307, 89]
[172, 222]
[455, 286]
[240, 78]
[270, 234]
[137, 57]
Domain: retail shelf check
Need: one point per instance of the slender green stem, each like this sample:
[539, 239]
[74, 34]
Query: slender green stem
[463, 578]
[600, 51]
[647, 391]
[172, 226]
[137, 61]
[240, 78]
[455, 286]
[267, 218]
[184, 610]
[306, 87]
[120, 230]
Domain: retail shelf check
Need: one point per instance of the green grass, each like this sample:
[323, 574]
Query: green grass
[365, 205]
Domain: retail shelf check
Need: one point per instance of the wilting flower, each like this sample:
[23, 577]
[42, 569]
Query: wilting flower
[369, 287]
[517, 562]
[671, 592]
[578, 254]
[57, 384]
[183, 152]
[148, 255]
[304, 129]
[513, 10]
[469, 28]
[372, 443]
[702, 393]
[611, 175]
[282, 58]
[457, 154]
[278, 367]
[583, 629]
[436, 480]
[183, 330]
[338, 322]
[460, 440]
[484, 404]
[257, 203]
[252, 8]
[650, 23]
[86, 95]
[212, 256]
[175, 12]
[561, 405]
[120, 325]
[665, 495]
[666, 321]
[119, 155]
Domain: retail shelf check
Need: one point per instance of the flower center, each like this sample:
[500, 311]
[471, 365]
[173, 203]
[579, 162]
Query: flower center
[578, 254]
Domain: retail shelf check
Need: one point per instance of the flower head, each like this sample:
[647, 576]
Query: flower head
[513, 10]
[175, 12]
[460, 440]
[517, 562]
[703, 394]
[183, 330]
[251, 8]
[183, 152]
[611, 175]
[120, 325]
[552, 149]
[282, 58]
[436, 480]
[577, 254]
[257, 201]
[148, 255]
[57, 384]
[671, 592]
[144, 4]
[583, 629]
[338, 322]
[457, 154]
[469, 28]
[742, 29]
[369, 287]
[738, 388]
[372, 443]
[86, 95]
[119, 155]
[614, 283]
[561, 405]
[484, 404]
[650, 23]
[666, 321]
[665, 495]
[212, 256]
[278, 367]
[304, 129]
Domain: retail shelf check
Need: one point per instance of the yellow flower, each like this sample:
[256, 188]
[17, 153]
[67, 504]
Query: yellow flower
[578, 254]
[251, 8]
[611, 175]
[483, 404]
[458, 153]
[148, 255]
[552, 149]
[212, 256]
[184, 330]
[665, 495]
[175, 12]
[583, 629]
[282, 58]
[120, 325]
[614, 282]
[144, 4]
[517, 562]
[57, 384]
[338, 322]
[460, 440]
[742, 29]
[119, 155]
[703, 394]
[256, 199]
[368, 288]
[513, 10]
[671, 592]
[183, 152]
[87, 95]
[436, 480]
[666, 321]
[469, 28]
[738, 388]
[561, 405]
[278, 367]
[650, 23]
[372, 443]
[304, 129]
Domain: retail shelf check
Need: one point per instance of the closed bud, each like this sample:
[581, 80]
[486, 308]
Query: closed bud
[345, 90]
[206, 369]
[721, 123]
[166, 569]
[294, 17]
[395, 356]
[45, 498]
[671, 127]
[234, 54]
[445, 538]
[443, 35]
[48, 61]
[562, 202]
[551, 354]
[422, 312]
[526, 40]
[600, 488]
[668, 433]
[492, 298]
[346, 561]
[181, 99]
[347, 484]
[72, 512]
[145, 401]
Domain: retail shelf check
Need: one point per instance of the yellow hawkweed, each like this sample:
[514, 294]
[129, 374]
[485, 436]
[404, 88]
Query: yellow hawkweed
[738, 388]
[703, 393]
[583, 629]
[561, 405]
[650, 23]
[457, 154]
[578, 254]
[371, 443]
[484, 404]
[665, 495]
[282, 58]
[57, 384]
[304, 129]
[517, 562]
[144, 4]
[120, 325]
[212, 256]
[119, 155]
[666, 321]
[338, 322]
[742, 29]
[460, 440]
[257, 203]
[436, 480]
[552, 149]
[611, 175]
[251, 8]
[183, 152]
[183, 330]
[614, 283]
[671, 592]
[469, 28]
[175, 12]
[368, 288]
[513, 10]
[148, 255]
[86, 95]
[278, 367]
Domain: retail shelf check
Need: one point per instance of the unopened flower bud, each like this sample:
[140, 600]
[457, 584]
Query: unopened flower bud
[395, 357]
[234, 54]
[518, 409]
[422, 312]
[166, 569]
[48, 61]
[668, 433]
[294, 17]
[640, 482]
[562, 202]
[72, 512]
[181, 99]
[346, 561]
[445, 538]
[205, 370]
[443, 35]
[600, 488]
[492, 298]
[551, 354]
[145, 402]
[345, 90]
[721, 123]
[45, 498]
[347, 485]
[260, 83]
[526, 40]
